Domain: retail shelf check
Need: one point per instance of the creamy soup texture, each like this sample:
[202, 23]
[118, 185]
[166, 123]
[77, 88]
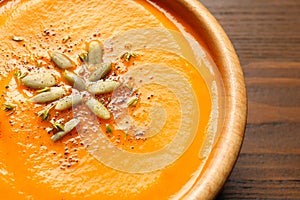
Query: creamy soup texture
[102, 100]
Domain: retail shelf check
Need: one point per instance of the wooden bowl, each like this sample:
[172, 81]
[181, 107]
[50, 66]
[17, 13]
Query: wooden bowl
[226, 149]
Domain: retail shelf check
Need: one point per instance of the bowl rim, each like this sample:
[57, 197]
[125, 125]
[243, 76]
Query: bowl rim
[226, 149]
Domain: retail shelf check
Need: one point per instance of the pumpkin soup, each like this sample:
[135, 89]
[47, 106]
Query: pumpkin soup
[102, 100]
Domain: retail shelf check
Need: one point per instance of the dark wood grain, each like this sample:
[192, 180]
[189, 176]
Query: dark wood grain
[269, 164]
[266, 35]
[261, 30]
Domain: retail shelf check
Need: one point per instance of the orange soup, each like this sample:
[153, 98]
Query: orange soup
[102, 100]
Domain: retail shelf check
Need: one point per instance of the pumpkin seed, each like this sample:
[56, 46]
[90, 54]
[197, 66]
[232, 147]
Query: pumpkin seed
[8, 107]
[61, 60]
[74, 80]
[132, 102]
[58, 136]
[67, 128]
[44, 114]
[95, 53]
[100, 72]
[71, 124]
[98, 108]
[39, 81]
[54, 94]
[68, 101]
[102, 87]
[66, 38]
[17, 38]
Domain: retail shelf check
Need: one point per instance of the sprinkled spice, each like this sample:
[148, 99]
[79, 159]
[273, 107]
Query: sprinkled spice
[38, 63]
[81, 82]
[83, 56]
[44, 114]
[18, 74]
[108, 129]
[128, 55]
[58, 126]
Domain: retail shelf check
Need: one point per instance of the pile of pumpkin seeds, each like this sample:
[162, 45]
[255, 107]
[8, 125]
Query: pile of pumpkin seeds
[45, 86]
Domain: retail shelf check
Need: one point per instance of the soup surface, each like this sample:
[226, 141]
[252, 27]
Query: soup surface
[161, 120]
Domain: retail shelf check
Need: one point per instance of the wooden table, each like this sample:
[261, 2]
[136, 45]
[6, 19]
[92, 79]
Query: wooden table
[266, 35]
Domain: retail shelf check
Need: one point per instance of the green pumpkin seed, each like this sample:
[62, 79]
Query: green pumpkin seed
[58, 136]
[17, 38]
[100, 72]
[74, 80]
[68, 101]
[132, 102]
[61, 60]
[10, 108]
[95, 53]
[71, 124]
[39, 81]
[66, 38]
[98, 108]
[102, 87]
[54, 94]
[67, 128]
